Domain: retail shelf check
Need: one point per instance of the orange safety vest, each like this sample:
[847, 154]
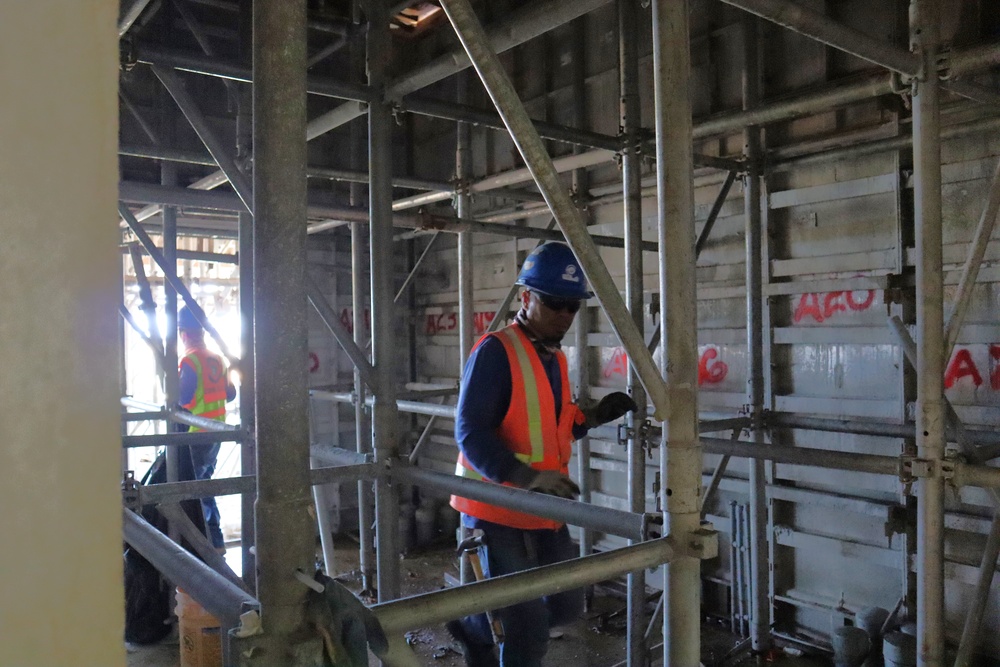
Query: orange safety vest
[530, 429]
[209, 398]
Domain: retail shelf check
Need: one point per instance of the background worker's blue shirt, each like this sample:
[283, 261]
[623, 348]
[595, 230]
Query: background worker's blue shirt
[482, 404]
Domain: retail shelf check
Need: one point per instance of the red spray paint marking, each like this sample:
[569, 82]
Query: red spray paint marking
[961, 366]
[447, 322]
[347, 319]
[710, 371]
[831, 303]
[714, 373]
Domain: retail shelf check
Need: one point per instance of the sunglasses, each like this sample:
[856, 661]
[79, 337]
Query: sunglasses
[556, 303]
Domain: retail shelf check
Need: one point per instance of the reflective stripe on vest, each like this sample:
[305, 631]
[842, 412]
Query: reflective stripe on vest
[531, 392]
[209, 398]
[531, 429]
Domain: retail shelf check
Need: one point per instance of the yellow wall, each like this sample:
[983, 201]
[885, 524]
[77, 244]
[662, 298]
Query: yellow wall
[60, 517]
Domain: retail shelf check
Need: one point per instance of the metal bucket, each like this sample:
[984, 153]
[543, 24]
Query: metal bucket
[851, 646]
[899, 650]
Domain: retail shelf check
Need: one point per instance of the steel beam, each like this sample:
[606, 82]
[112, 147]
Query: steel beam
[681, 488]
[219, 153]
[970, 271]
[530, 145]
[824, 29]
[285, 528]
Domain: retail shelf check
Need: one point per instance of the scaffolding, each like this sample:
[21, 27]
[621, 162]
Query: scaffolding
[273, 206]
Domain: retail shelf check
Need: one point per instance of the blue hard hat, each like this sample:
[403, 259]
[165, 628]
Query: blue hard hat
[552, 269]
[187, 321]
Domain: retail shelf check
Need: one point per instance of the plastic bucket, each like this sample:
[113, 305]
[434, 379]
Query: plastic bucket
[199, 634]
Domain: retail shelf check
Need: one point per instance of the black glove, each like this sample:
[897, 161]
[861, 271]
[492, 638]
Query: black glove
[554, 483]
[611, 407]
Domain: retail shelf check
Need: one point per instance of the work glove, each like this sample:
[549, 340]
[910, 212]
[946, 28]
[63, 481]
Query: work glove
[611, 407]
[347, 626]
[554, 483]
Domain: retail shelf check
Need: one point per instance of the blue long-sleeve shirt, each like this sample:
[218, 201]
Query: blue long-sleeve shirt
[483, 400]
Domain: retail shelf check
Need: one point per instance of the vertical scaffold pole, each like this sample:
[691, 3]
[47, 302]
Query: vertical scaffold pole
[681, 490]
[924, 37]
[286, 531]
[385, 428]
[628, 81]
[760, 612]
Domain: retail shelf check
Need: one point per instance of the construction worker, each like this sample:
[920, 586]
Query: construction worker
[204, 391]
[515, 423]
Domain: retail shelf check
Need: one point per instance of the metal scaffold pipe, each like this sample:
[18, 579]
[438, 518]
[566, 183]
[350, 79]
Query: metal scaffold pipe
[753, 201]
[970, 271]
[385, 436]
[681, 489]
[925, 22]
[529, 144]
[629, 114]
[285, 528]
[421, 611]
[219, 596]
[824, 29]
[595, 517]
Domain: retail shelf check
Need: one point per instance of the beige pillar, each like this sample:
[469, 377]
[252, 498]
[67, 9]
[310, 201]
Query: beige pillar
[61, 600]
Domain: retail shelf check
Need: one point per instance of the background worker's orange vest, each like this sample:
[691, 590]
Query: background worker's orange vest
[531, 429]
[209, 398]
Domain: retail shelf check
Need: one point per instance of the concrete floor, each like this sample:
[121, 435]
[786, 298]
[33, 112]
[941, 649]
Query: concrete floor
[596, 640]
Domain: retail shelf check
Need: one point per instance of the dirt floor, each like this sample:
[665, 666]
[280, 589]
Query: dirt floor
[596, 640]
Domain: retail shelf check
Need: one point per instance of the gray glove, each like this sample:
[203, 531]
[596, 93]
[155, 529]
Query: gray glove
[611, 407]
[554, 483]
[347, 626]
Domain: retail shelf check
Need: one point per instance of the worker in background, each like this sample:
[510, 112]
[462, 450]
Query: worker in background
[515, 423]
[204, 391]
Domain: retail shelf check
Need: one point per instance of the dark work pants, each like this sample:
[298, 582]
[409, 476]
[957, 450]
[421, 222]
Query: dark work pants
[204, 459]
[526, 625]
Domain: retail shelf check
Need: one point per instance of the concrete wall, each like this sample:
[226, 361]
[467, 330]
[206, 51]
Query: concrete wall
[61, 573]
